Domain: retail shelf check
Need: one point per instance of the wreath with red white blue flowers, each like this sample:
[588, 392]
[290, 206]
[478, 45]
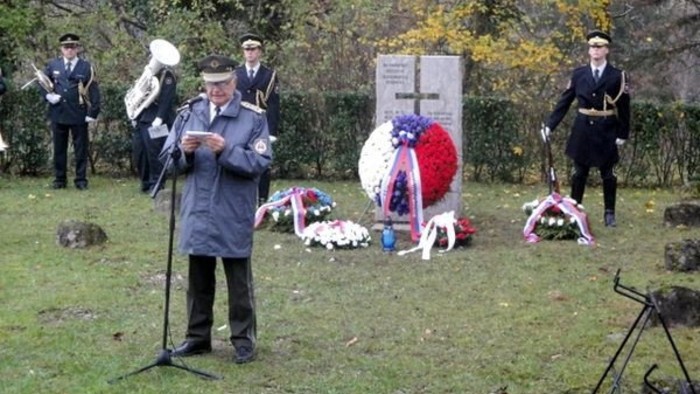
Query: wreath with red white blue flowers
[408, 164]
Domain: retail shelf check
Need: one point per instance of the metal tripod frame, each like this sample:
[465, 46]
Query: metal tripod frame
[649, 307]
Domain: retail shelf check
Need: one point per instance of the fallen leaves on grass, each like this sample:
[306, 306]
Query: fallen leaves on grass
[351, 342]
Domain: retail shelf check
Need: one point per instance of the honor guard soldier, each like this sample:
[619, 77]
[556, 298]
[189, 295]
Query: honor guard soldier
[73, 103]
[602, 122]
[224, 149]
[259, 86]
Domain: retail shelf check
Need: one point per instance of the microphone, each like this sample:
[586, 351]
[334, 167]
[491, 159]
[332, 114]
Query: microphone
[189, 103]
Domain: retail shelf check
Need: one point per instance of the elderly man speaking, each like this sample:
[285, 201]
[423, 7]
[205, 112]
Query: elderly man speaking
[225, 146]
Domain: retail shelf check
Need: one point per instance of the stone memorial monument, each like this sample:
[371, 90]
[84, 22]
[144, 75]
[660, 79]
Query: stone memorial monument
[429, 86]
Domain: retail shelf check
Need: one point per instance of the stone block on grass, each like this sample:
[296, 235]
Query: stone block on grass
[76, 234]
[683, 256]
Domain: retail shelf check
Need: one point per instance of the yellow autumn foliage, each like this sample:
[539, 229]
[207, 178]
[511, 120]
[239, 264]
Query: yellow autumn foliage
[503, 41]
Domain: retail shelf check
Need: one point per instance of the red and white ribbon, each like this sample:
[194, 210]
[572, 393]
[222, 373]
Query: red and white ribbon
[298, 210]
[567, 206]
[405, 160]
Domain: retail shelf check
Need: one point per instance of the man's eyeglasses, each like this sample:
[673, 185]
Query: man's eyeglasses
[598, 46]
[70, 46]
[219, 84]
[250, 49]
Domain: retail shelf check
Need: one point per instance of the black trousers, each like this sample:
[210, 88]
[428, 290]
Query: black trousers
[241, 299]
[61, 133]
[607, 174]
[145, 153]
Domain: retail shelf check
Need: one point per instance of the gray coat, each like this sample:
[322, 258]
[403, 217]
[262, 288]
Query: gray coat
[220, 193]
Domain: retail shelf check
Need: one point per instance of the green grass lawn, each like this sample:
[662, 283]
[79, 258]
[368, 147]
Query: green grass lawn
[536, 318]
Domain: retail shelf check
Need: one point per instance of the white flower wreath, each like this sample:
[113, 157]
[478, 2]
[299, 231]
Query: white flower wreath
[375, 159]
[339, 234]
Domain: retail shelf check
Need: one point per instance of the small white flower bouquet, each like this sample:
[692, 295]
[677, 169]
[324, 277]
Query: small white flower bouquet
[336, 234]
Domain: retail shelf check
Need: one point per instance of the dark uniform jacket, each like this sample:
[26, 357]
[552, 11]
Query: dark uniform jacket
[163, 106]
[262, 91]
[69, 110]
[219, 196]
[592, 139]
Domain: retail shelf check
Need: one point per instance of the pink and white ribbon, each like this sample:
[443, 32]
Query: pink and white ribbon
[298, 210]
[405, 160]
[567, 206]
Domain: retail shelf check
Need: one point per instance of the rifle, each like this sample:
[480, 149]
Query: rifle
[551, 174]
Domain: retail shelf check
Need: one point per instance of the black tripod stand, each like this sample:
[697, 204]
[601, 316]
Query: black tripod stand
[164, 359]
[649, 306]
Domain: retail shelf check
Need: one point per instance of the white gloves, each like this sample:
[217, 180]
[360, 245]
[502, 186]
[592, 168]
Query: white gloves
[545, 132]
[89, 119]
[53, 98]
[157, 122]
[620, 141]
[134, 123]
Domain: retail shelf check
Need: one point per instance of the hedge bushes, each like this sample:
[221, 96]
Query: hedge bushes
[321, 136]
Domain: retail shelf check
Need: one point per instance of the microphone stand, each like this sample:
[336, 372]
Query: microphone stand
[164, 359]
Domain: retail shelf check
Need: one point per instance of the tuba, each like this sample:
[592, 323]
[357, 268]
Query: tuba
[41, 78]
[147, 87]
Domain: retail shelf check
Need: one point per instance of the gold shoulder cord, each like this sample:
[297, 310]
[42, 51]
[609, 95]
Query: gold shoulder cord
[260, 97]
[83, 89]
[612, 101]
[270, 86]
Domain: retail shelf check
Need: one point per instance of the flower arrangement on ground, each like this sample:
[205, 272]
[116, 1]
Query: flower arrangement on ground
[556, 217]
[463, 231]
[294, 208]
[443, 230]
[336, 234]
[408, 164]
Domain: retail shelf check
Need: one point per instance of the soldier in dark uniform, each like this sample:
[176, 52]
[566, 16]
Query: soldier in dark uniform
[258, 85]
[73, 103]
[602, 121]
[146, 145]
[221, 165]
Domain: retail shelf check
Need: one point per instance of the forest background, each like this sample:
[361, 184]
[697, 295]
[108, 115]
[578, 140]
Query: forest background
[519, 52]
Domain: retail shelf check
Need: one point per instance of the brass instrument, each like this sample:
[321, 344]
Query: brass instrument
[41, 78]
[147, 87]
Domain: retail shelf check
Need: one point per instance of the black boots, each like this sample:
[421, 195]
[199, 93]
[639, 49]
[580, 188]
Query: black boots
[609, 218]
